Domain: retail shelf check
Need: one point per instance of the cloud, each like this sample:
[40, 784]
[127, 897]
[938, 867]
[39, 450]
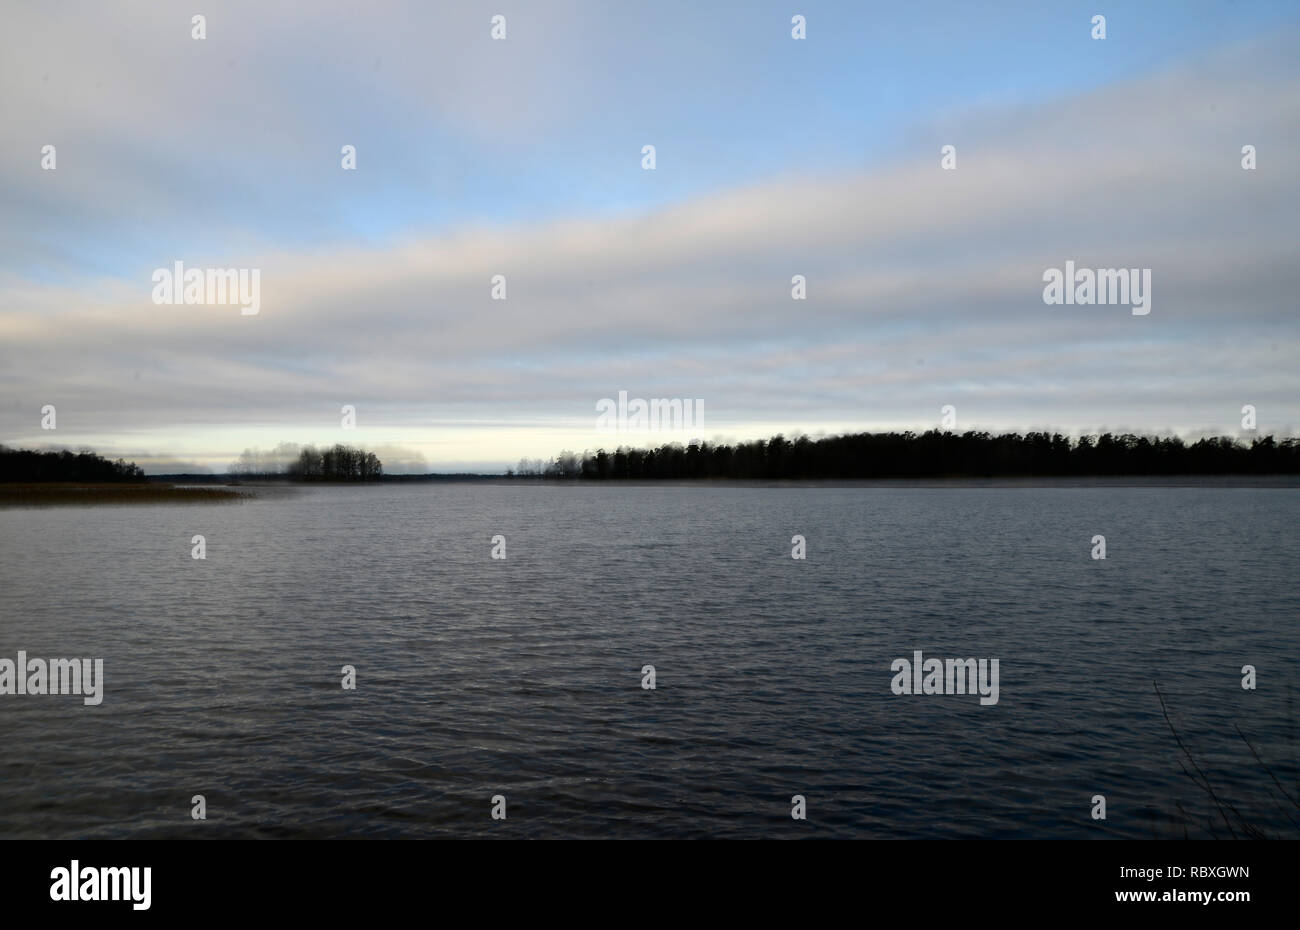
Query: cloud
[924, 288]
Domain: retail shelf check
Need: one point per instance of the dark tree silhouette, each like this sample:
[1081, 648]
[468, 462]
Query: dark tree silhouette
[933, 454]
[336, 463]
[22, 465]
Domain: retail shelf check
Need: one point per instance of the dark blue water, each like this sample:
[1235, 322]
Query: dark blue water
[522, 677]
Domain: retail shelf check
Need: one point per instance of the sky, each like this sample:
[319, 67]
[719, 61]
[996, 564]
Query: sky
[523, 157]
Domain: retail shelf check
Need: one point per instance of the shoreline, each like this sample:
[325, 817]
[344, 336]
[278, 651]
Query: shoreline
[1006, 481]
[89, 492]
[213, 490]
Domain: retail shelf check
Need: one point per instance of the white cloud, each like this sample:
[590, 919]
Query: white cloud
[924, 289]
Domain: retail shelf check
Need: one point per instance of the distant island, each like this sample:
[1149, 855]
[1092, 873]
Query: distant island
[331, 463]
[40, 477]
[932, 454]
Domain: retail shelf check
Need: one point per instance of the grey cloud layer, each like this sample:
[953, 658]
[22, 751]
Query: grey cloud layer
[924, 288]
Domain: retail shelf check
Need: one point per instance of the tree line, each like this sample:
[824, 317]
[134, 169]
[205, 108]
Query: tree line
[932, 454]
[336, 463]
[25, 465]
[307, 463]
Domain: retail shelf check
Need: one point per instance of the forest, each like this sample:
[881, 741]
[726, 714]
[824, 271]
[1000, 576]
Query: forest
[336, 463]
[24, 465]
[932, 454]
[308, 463]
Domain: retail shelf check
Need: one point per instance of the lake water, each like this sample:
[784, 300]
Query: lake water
[523, 677]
